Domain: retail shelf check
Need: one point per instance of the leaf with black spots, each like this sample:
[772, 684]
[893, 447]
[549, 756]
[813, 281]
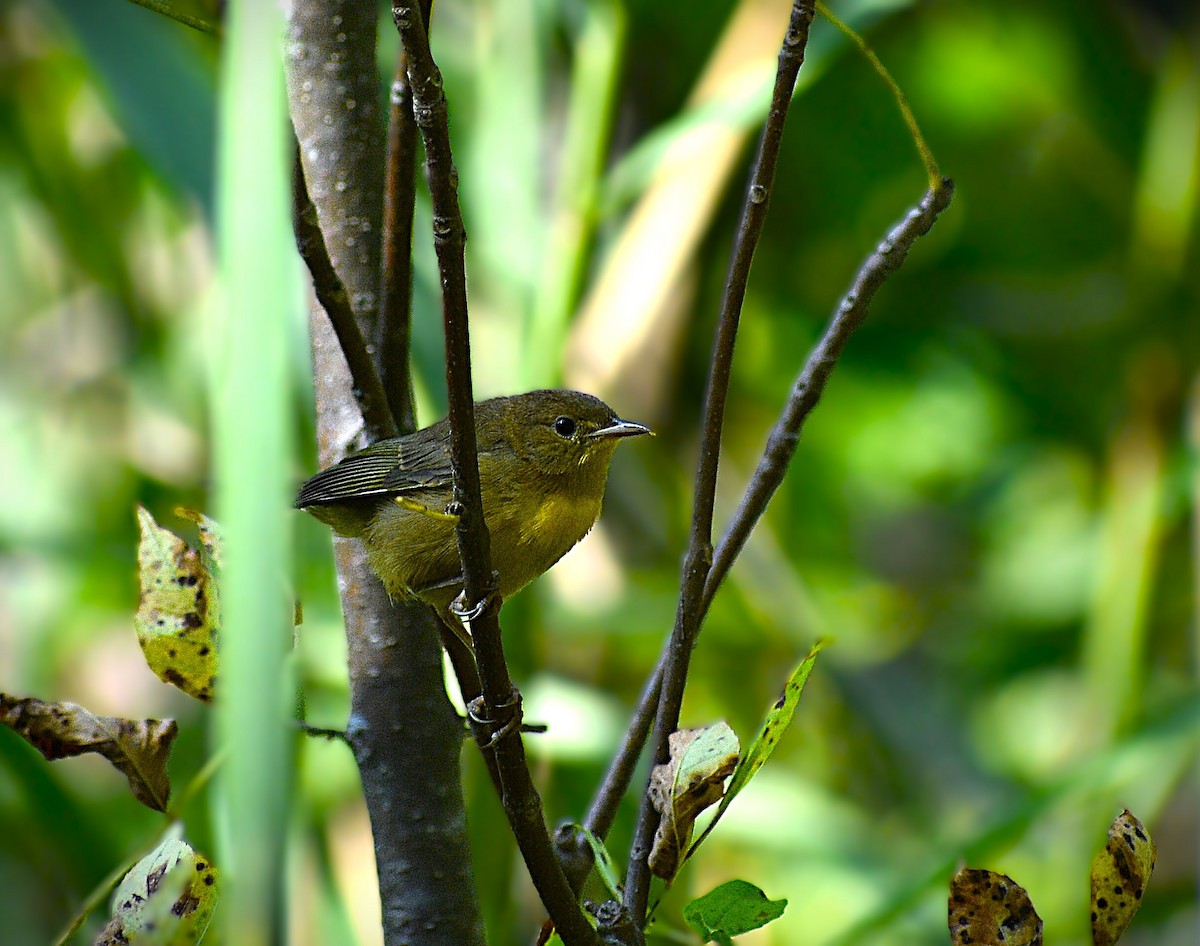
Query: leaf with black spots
[167, 898]
[1119, 876]
[690, 781]
[990, 909]
[139, 748]
[178, 613]
[779, 718]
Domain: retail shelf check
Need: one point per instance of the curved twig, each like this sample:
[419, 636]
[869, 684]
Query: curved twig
[698, 560]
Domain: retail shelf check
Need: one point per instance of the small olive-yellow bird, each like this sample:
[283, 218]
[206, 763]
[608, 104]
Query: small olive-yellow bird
[543, 463]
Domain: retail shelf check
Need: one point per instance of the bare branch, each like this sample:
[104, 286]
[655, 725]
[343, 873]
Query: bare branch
[395, 295]
[496, 717]
[810, 384]
[768, 475]
[698, 559]
[331, 294]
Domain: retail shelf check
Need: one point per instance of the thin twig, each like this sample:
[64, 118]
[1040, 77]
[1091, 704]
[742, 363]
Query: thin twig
[906, 112]
[395, 296]
[500, 702]
[768, 475]
[324, 732]
[810, 384]
[698, 559]
[332, 295]
[165, 9]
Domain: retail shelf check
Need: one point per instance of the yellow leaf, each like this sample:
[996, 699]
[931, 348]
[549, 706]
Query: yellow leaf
[1119, 876]
[990, 909]
[178, 613]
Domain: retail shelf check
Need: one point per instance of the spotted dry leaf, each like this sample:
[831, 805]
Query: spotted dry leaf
[178, 611]
[1119, 876]
[990, 909]
[139, 748]
[692, 780]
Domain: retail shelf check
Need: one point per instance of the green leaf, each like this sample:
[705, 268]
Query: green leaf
[139, 748]
[605, 865]
[178, 610]
[779, 718]
[731, 909]
[1119, 876]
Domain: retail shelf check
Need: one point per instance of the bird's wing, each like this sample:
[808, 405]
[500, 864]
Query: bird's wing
[393, 466]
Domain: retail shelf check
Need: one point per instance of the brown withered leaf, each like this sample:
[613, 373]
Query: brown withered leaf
[139, 748]
[680, 789]
[178, 613]
[990, 909]
[1119, 876]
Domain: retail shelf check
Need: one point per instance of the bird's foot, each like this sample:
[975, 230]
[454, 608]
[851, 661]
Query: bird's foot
[507, 720]
[466, 613]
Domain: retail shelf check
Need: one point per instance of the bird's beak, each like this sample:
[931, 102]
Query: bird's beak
[622, 428]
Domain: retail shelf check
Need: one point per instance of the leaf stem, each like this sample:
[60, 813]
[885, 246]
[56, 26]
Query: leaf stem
[165, 9]
[927, 158]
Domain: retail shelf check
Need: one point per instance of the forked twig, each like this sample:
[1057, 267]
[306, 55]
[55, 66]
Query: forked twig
[332, 295]
[768, 475]
[698, 560]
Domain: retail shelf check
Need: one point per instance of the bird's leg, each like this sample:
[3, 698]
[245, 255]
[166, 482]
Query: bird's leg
[414, 506]
[450, 621]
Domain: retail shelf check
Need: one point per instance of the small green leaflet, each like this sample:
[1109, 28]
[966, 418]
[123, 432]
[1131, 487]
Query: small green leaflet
[779, 718]
[605, 866]
[731, 909]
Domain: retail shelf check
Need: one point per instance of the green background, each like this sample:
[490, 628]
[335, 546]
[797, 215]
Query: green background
[991, 516]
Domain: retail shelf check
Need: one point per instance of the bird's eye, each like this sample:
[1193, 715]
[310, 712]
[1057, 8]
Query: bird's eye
[564, 426]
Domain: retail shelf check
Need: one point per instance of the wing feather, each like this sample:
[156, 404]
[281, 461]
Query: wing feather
[389, 467]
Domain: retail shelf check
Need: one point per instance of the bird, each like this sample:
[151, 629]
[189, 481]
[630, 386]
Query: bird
[544, 458]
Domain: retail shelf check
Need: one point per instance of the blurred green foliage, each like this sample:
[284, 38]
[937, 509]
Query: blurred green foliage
[992, 515]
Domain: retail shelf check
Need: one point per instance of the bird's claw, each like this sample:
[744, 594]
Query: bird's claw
[482, 725]
[466, 613]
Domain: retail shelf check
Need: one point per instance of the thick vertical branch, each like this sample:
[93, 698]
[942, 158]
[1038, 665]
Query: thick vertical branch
[405, 734]
[496, 717]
